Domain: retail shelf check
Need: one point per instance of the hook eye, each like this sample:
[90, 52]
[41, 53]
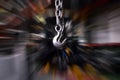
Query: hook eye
[58, 28]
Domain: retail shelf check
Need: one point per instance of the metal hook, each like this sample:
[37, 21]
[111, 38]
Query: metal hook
[57, 40]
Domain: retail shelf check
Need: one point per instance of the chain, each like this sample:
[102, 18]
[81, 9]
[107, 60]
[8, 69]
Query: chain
[59, 11]
[58, 40]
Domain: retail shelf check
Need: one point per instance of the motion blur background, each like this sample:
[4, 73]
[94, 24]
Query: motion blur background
[26, 26]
